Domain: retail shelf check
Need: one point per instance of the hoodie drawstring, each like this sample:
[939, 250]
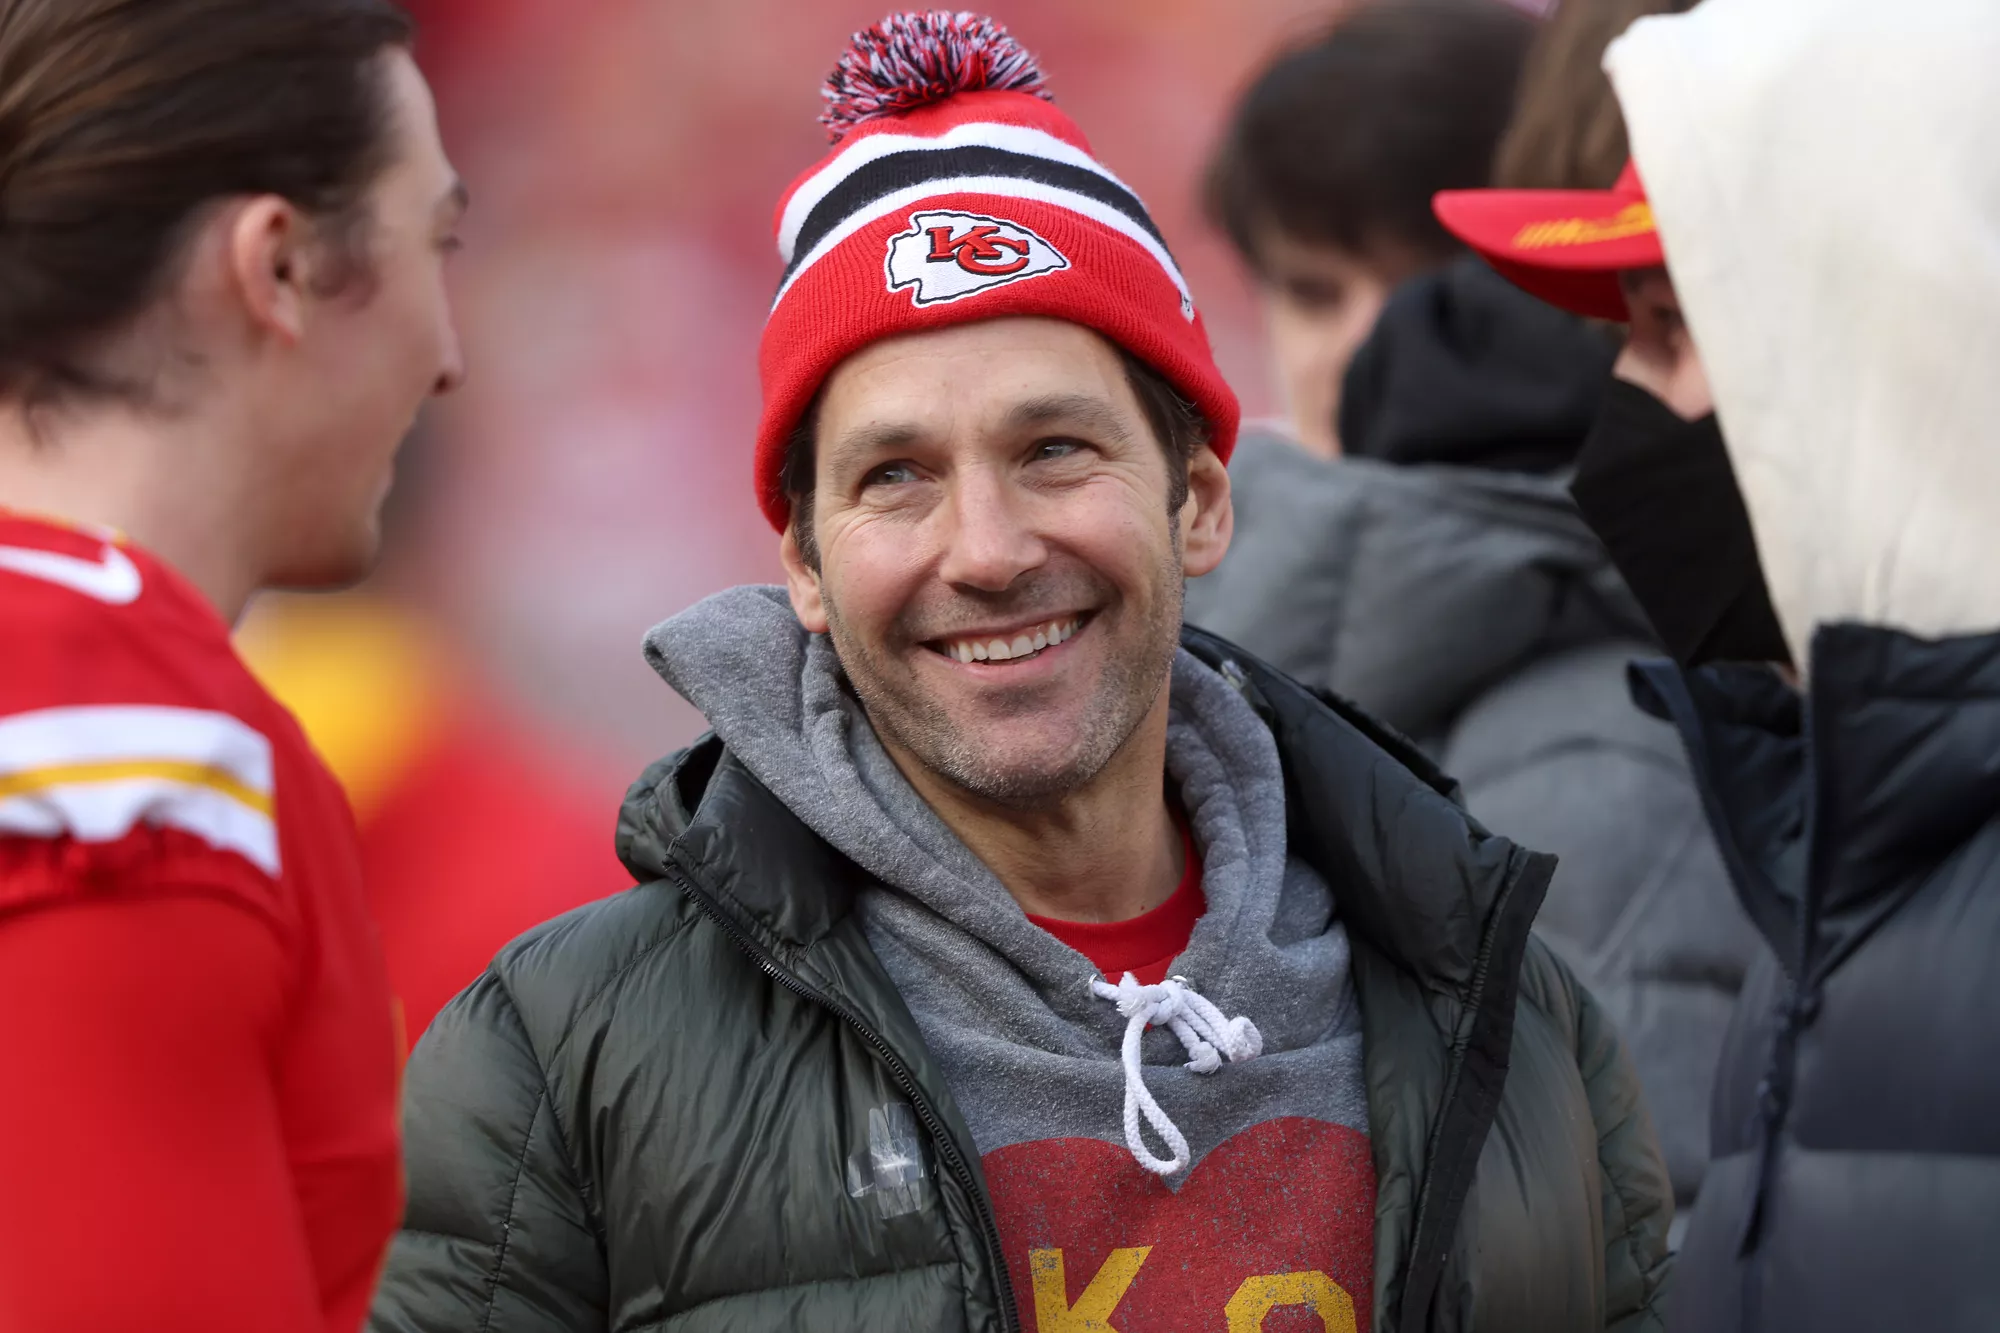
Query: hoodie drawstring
[1207, 1036]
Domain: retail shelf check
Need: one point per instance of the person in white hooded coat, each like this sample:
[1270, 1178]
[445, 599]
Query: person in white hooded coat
[1819, 487]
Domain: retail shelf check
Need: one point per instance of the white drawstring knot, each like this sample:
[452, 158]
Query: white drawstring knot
[1207, 1036]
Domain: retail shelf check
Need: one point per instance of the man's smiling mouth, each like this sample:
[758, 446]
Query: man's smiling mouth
[1009, 647]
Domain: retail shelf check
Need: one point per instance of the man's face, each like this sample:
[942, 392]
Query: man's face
[373, 351]
[1659, 354]
[999, 571]
[1320, 304]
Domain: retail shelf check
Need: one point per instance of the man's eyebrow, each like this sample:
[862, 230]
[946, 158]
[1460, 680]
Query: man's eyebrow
[873, 439]
[1081, 410]
[1076, 409]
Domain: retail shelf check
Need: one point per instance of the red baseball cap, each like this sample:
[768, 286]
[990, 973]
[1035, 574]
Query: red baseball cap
[1565, 246]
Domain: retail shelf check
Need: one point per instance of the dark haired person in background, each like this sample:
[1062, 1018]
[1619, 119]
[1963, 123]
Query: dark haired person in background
[223, 225]
[1439, 575]
[1324, 176]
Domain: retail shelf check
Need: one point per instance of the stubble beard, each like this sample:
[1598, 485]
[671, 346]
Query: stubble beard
[908, 717]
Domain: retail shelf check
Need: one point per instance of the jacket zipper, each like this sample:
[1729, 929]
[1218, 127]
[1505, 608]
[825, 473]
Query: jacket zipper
[1010, 1319]
[1426, 1265]
[1800, 1005]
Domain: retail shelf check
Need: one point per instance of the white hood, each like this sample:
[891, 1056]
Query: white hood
[1827, 185]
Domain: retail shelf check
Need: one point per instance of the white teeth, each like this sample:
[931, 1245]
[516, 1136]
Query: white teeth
[1025, 644]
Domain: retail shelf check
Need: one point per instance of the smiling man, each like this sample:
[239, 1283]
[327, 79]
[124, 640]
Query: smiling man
[1007, 958]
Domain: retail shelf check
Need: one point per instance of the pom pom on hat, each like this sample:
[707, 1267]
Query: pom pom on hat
[914, 59]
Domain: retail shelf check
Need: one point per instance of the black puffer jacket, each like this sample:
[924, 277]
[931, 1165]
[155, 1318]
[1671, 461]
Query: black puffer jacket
[1856, 1179]
[640, 1118]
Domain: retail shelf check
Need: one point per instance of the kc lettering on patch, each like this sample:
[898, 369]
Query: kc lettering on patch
[1273, 1230]
[946, 256]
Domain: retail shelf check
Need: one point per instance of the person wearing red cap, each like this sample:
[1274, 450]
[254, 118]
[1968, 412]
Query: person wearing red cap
[1798, 476]
[1598, 253]
[1009, 958]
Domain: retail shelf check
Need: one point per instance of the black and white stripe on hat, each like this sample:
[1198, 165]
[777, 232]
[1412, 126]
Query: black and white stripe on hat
[883, 173]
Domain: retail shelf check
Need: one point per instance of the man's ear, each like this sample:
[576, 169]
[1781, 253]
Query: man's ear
[802, 582]
[1208, 519]
[270, 258]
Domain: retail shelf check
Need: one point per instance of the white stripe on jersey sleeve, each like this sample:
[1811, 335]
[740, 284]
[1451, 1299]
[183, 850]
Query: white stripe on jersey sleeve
[50, 737]
[107, 811]
[95, 773]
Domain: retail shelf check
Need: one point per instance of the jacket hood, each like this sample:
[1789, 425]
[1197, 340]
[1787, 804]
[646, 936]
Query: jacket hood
[1822, 175]
[1850, 803]
[1410, 590]
[1465, 368]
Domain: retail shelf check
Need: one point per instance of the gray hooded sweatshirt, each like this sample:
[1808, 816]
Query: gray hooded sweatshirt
[1030, 1054]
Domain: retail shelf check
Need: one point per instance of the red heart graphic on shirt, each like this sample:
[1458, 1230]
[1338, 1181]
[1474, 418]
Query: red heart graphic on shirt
[1274, 1230]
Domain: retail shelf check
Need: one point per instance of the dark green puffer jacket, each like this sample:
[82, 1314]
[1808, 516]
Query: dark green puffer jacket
[641, 1117]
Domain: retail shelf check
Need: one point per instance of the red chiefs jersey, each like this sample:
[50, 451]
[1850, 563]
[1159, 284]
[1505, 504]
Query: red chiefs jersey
[140, 761]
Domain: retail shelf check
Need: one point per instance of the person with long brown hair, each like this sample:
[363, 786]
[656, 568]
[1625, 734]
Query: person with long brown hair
[1567, 132]
[222, 231]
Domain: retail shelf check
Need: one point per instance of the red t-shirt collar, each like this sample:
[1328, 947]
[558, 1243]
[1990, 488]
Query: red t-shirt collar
[1145, 945]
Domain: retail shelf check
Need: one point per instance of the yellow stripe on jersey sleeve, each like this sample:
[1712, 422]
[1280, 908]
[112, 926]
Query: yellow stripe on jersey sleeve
[179, 772]
[95, 773]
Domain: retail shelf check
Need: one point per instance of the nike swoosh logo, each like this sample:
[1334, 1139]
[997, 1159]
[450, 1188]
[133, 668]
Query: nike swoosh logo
[113, 579]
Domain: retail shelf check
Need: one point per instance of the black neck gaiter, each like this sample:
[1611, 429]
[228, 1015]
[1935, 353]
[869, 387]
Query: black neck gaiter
[1662, 496]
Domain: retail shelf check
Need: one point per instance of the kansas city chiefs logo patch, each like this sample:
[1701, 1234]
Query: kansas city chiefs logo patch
[946, 256]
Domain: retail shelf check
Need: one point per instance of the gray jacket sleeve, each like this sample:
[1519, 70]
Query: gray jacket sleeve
[496, 1237]
[1641, 908]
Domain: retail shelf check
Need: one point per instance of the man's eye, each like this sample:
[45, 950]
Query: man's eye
[1314, 294]
[1050, 450]
[890, 474]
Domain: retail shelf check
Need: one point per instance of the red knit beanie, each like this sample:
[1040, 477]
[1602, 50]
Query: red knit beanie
[955, 191]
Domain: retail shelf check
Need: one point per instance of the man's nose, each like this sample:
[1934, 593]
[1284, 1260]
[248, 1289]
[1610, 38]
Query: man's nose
[990, 541]
[451, 370]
